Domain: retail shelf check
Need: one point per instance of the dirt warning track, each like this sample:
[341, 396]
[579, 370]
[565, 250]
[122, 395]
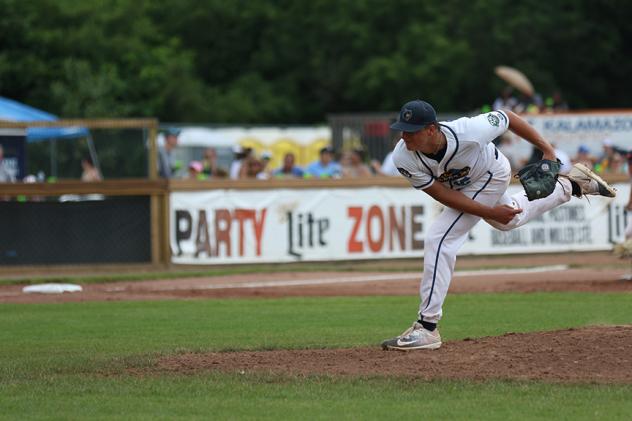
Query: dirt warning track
[288, 284]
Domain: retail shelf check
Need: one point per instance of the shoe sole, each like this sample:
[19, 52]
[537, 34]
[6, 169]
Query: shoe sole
[412, 348]
[602, 183]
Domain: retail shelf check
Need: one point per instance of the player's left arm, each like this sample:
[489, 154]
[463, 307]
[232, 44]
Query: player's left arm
[520, 127]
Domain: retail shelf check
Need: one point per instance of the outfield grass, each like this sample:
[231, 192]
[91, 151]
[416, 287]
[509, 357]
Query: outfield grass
[66, 360]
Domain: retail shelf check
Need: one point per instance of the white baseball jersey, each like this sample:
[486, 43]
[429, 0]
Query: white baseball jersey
[468, 157]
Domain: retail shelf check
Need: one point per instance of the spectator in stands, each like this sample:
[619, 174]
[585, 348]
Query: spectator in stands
[628, 206]
[166, 161]
[387, 167]
[90, 172]
[583, 156]
[529, 104]
[266, 172]
[555, 103]
[607, 161]
[6, 175]
[239, 156]
[288, 169]
[196, 171]
[353, 165]
[619, 164]
[624, 159]
[505, 101]
[250, 167]
[209, 163]
[325, 167]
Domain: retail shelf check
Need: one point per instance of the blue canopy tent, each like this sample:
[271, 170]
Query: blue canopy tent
[11, 110]
[15, 111]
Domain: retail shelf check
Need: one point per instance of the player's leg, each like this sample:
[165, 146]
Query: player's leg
[579, 181]
[535, 208]
[586, 182]
[444, 238]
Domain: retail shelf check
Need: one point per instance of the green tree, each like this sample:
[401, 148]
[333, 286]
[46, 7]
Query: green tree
[285, 61]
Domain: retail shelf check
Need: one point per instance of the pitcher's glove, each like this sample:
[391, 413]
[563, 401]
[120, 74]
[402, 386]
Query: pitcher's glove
[539, 179]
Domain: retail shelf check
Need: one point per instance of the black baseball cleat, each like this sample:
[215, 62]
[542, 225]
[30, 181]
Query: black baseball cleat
[589, 183]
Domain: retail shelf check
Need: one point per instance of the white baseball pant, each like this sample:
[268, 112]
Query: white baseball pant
[450, 229]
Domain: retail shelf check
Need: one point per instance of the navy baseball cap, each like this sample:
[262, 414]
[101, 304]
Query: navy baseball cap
[173, 132]
[414, 116]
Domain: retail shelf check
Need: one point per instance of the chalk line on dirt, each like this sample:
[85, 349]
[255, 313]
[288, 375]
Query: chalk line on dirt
[345, 280]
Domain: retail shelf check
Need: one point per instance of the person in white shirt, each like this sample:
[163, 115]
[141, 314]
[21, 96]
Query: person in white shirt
[458, 165]
[387, 167]
[6, 175]
[239, 156]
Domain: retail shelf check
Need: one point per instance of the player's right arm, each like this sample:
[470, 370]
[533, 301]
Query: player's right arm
[523, 129]
[456, 200]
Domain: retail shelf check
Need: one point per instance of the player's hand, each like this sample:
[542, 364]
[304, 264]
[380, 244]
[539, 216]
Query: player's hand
[549, 154]
[503, 213]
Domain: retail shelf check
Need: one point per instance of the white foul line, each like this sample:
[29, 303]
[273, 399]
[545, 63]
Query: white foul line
[358, 279]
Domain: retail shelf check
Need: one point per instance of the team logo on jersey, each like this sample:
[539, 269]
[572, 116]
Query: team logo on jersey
[493, 119]
[407, 114]
[455, 174]
[404, 172]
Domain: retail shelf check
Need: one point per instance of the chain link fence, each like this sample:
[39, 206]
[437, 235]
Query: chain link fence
[369, 131]
[91, 198]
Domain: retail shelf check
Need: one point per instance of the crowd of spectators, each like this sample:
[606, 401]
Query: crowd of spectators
[530, 104]
[612, 159]
[353, 163]
[246, 164]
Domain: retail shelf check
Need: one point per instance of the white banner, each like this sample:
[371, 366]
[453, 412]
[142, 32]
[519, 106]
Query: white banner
[247, 226]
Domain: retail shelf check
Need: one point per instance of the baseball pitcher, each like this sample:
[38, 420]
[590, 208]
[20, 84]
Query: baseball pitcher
[458, 165]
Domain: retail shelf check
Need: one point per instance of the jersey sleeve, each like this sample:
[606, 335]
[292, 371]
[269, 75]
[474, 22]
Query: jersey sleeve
[410, 169]
[486, 127]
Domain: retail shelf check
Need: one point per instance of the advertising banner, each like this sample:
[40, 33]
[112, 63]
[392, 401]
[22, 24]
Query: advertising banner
[287, 225]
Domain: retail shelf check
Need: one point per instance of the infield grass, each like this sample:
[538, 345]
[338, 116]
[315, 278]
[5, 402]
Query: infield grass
[67, 361]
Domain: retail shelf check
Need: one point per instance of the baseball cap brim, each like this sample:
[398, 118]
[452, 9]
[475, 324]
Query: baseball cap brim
[407, 127]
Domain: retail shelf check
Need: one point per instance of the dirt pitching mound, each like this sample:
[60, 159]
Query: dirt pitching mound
[586, 355]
